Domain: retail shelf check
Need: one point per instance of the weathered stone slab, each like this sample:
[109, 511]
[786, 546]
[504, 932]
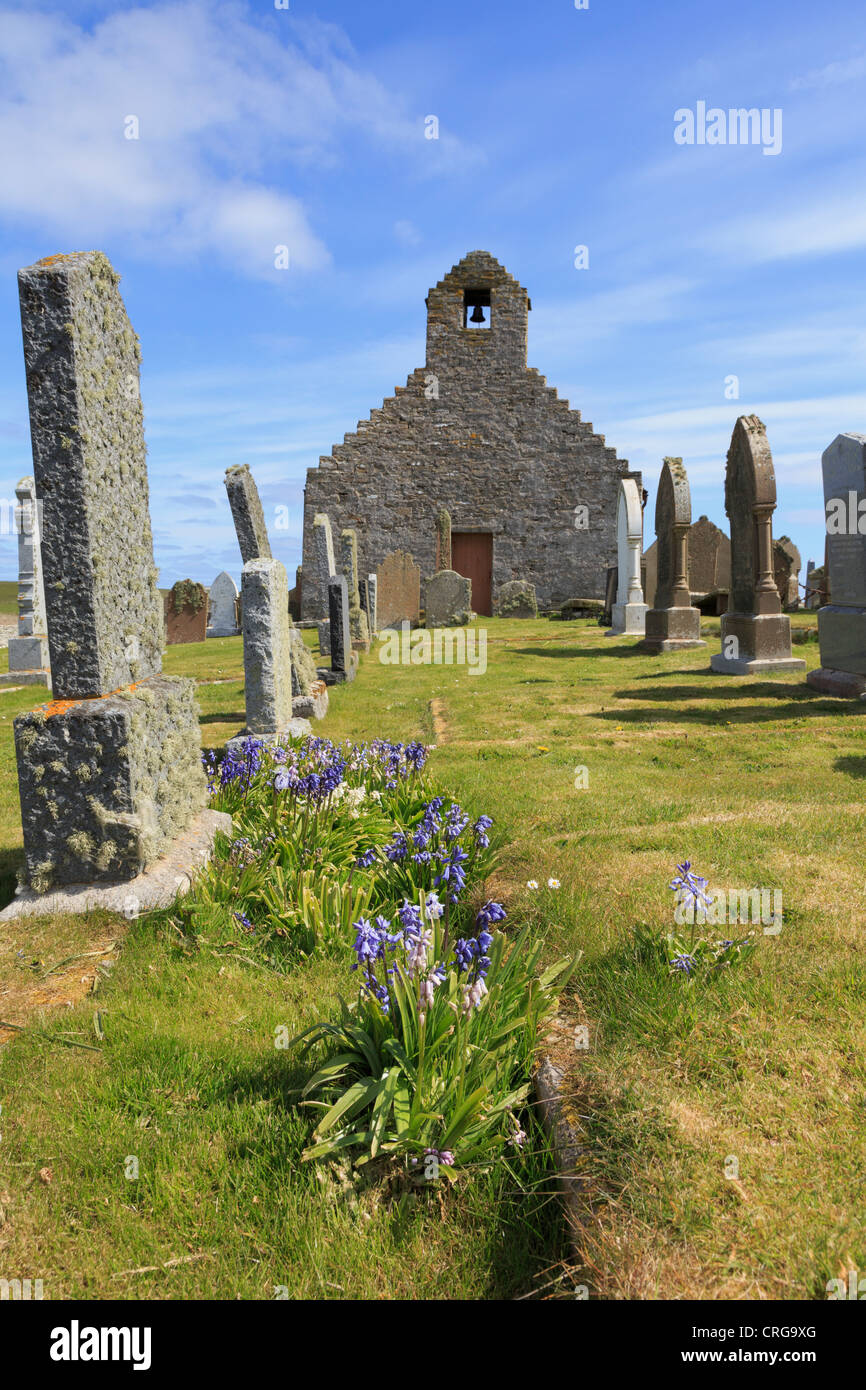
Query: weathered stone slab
[341, 638]
[28, 652]
[303, 663]
[358, 624]
[373, 603]
[673, 624]
[106, 784]
[267, 647]
[185, 613]
[398, 590]
[628, 613]
[516, 599]
[786, 571]
[321, 570]
[842, 621]
[756, 634]
[295, 728]
[156, 887]
[447, 600]
[249, 518]
[443, 540]
[313, 705]
[324, 630]
[222, 610]
[104, 613]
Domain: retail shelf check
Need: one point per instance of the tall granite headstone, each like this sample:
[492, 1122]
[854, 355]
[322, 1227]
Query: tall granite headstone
[222, 616]
[628, 614]
[267, 653]
[110, 772]
[842, 621]
[249, 518]
[28, 652]
[672, 623]
[756, 634]
[324, 568]
[349, 566]
[343, 658]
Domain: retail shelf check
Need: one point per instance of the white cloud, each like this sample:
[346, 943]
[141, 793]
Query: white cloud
[832, 74]
[228, 114]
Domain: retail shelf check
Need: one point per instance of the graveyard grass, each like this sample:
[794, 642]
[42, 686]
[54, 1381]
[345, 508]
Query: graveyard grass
[758, 781]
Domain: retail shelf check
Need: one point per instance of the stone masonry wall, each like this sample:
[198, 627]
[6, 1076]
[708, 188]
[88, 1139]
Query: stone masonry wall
[478, 432]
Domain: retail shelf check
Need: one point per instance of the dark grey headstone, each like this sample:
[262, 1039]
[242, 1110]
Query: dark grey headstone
[341, 637]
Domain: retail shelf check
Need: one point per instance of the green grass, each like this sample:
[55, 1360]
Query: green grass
[757, 781]
[9, 597]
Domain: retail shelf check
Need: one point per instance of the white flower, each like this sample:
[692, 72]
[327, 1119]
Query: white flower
[433, 906]
[553, 883]
[533, 883]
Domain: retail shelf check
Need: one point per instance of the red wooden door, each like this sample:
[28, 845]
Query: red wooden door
[472, 556]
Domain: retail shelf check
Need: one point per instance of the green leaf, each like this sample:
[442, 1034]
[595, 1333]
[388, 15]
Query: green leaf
[350, 1103]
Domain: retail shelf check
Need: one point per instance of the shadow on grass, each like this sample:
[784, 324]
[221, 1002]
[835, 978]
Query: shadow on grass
[855, 767]
[223, 718]
[799, 702]
[575, 651]
[10, 862]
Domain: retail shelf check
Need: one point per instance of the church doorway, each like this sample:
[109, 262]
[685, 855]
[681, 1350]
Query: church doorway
[472, 556]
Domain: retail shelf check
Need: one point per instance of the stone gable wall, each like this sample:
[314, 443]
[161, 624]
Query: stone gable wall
[478, 432]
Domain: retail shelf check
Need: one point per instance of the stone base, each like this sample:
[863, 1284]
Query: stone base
[296, 728]
[25, 678]
[628, 620]
[223, 632]
[763, 645]
[672, 630]
[842, 634]
[107, 784]
[314, 705]
[332, 677]
[847, 685]
[158, 886]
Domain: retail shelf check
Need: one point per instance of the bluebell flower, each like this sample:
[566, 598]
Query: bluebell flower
[684, 962]
[688, 885]
[367, 858]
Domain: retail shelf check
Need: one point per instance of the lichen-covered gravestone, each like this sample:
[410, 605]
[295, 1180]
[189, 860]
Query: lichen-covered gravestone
[110, 772]
[222, 617]
[756, 634]
[842, 620]
[448, 600]
[628, 613]
[267, 655]
[249, 518]
[373, 603]
[358, 625]
[516, 599]
[443, 540]
[672, 623]
[786, 571]
[325, 567]
[28, 652]
[398, 590]
[185, 613]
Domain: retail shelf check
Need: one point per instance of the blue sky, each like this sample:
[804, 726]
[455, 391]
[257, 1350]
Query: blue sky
[305, 127]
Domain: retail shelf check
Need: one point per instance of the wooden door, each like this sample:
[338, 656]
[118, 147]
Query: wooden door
[472, 556]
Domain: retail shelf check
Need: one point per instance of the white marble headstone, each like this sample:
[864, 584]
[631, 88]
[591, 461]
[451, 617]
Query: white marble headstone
[222, 607]
[629, 611]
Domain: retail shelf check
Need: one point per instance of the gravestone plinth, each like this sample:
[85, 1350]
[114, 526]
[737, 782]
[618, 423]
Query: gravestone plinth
[628, 613]
[842, 622]
[107, 783]
[222, 607]
[756, 634]
[249, 518]
[110, 772]
[672, 624]
[28, 652]
[448, 600]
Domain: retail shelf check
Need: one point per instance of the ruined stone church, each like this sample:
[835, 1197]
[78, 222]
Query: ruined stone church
[531, 489]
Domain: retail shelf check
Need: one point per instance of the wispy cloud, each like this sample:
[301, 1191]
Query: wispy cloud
[832, 74]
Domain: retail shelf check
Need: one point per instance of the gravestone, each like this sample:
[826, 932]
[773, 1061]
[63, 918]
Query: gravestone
[249, 518]
[443, 540]
[709, 567]
[28, 652]
[325, 567]
[324, 630]
[398, 590]
[628, 613]
[185, 611]
[110, 772]
[344, 659]
[222, 617]
[842, 621]
[373, 603]
[811, 597]
[756, 634]
[672, 623]
[786, 571]
[448, 600]
[349, 566]
[516, 599]
[267, 655]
